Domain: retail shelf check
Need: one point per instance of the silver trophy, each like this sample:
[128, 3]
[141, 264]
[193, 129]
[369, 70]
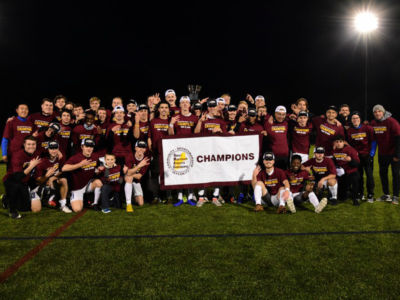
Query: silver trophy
[194, 91]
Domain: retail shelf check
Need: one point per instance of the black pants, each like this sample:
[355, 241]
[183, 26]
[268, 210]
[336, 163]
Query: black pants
[106, 193]
[367, 166]
[17, 195]
[384, 162]
[349, 182]
[154, 185]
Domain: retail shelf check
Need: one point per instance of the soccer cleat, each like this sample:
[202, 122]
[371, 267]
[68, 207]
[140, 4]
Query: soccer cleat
[129, 208]
[216, 202]
[370, 198]
[190, 202]
[291, 206]
[52, 203]
[281, 210]
[106, 210]
[258, 207]
[232, 200]
[240, 198]
[395, 200]
[322, 204]
[333, 201]
[201, 202]
[4, 202]
[65, 209]
[15, 215]
[179, 203]
[355, 202]
[384, 198]
[221, 200]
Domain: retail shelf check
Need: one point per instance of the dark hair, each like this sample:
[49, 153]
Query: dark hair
[67, 111]
[157, 113]
[344, 105]
[30, 138]
[60, 97]
[70, 103]
[296, 156]
[22, 103]
[303, 99]
[102, 108]
[90, 112]
[46, 100]
[78, 105]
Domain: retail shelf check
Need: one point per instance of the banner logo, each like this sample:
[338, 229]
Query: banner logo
[179, 161]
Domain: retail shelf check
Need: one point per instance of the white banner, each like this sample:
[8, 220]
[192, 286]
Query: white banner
[208, 160]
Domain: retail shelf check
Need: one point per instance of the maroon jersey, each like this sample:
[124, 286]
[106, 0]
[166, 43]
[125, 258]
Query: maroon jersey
[45, 164]
[103, 126]
[361, 138]
[19, 162]
[300, 137]
[274, 181]
[64, 138]
[80, 133]
[15, 131]
[43, 141]
[40, 120]
[297, 180]
[277, 136]
[121, 139]
[81, 177]
[133, 162]
[340, 156]
[247, 127]
[386, 132]
[143, 130]
[325, 134]
[158, 129]
[321, 169]
[174, 111]
[112, 177]
[208, 125]
[185, 125]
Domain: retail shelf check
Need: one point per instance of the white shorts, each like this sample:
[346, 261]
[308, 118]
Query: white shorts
[33, 194]
[137, 189]
[304, 157]
[77, 195]
[275, 199]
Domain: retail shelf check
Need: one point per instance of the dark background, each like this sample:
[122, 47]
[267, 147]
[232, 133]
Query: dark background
[281, 49]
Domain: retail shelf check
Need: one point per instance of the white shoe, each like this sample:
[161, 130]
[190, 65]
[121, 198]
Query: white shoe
[66, 209]
[290, 205]
[322, 204]
[200, 203]
[216, 202]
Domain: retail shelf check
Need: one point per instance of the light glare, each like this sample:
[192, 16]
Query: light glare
[366, 22]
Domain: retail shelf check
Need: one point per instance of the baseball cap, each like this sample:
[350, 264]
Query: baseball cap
[88, 142]
[132, 101]
[170, 91]
[184, 98]
[212, 103]
[303, 114]
[197, 105]
[280, 108]
[252, 112]
[143, 106]
[332, 107]
[55, 126]
[268, 156]
[232, 107]
[53, 145]
[118, 108]
[141, 144]
[319, 150]
[220, 100]
[260, 97]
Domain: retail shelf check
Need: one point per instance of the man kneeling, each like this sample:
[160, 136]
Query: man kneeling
[272, 185]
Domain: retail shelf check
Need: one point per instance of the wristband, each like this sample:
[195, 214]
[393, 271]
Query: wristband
[171, 125]
[287, 189]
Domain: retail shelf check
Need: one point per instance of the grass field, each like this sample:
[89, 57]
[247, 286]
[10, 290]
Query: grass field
[218, 267]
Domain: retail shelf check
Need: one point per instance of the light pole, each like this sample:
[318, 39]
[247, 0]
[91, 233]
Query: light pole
[365, 23]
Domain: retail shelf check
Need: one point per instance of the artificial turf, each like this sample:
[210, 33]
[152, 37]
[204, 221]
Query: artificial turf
[301, 266]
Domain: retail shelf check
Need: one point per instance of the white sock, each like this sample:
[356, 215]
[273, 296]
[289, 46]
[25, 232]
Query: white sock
[180, 196]
[333, 190]
[201, 193]
[282, 202]
[97, 192]
[216, 192]
[313, 199]
[257, 194]
[63, 202]
[190, 196]
[128, 193]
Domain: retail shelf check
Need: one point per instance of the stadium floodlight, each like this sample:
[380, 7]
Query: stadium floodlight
[366, 22]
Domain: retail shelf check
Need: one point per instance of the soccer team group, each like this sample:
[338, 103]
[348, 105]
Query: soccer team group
[108, 158]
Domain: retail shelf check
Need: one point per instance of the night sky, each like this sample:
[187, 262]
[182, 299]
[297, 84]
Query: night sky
[281, 49]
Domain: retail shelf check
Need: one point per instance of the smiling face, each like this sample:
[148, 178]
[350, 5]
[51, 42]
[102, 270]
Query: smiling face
[295, 164]
[171, 98]
[185, 106]
[302, 120]
[22, 110]
[30, 146]
[268, 163]
[280, 116]
[89, 119]
[119, 116]
[116, 101]
[65, 118]
[139, 151]
[378, 114]
[47, 107]
[87, 151]
[302, 105]
[53, 152]
[163, 110]
[102, 115]
[94, 105]
[344, 111]
[109, 160]
[331, 114]
[60, 103]
[232, 114]
[355, 120]
[131, 107]
[339, 144]
[319, 156]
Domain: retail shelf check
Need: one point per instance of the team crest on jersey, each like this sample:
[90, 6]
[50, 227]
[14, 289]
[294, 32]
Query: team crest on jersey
[278, 129]
[271, 182]
[380, 129]
[40, 123]
[359, 136]
[327, 130]
[24, 129]
[179, 161]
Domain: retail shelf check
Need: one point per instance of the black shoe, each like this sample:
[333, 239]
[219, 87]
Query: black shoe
[96, 207]
[356, 203]
[15, 215]
[4, 202]
[333, 201]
